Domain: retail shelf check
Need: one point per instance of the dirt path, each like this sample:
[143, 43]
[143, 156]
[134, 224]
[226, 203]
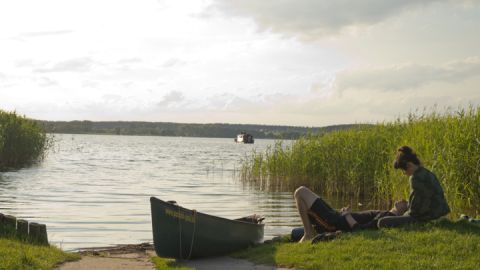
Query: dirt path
[222, 263]
[109, 263]
[124, 257]
[137, 257]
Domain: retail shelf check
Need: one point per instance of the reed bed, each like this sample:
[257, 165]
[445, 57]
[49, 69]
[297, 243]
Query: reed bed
[22, 141]
[358, 163]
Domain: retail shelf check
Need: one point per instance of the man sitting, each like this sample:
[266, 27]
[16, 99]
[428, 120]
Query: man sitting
[318, 216]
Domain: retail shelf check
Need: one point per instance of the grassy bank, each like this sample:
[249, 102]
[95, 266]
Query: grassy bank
[15, 254]
[442, 245]
[22, 141]
[358, 162]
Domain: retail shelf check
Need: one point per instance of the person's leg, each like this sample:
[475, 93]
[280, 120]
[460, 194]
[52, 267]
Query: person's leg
[306, 195]
[304, 199]
[395, 221]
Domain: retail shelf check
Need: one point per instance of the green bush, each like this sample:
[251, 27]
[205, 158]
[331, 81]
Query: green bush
[22, 141]
[359, 162]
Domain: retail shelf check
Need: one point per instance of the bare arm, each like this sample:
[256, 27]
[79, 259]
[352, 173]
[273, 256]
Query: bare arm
[347, 213]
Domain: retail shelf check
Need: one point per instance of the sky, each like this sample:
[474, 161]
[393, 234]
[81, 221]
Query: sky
[275, 62]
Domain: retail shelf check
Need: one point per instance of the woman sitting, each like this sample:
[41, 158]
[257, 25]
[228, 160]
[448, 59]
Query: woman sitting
[426, 201]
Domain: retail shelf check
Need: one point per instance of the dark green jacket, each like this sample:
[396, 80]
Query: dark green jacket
[427, 201]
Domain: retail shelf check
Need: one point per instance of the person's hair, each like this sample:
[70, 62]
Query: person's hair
[405, 154]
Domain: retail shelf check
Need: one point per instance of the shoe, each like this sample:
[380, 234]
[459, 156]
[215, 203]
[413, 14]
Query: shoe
[326, 236]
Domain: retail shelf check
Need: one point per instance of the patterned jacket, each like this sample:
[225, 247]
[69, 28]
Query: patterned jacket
[427, 201]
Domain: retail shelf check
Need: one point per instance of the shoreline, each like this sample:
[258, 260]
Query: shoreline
[139, 257]
[132, 256]
[115, 248]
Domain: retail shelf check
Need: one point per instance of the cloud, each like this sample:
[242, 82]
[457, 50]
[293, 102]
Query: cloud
[82, 64]
[4, 81]
[89, 84]
[126, 64]
[405, 77]
[313, 18]
[134, 60]
[224, 102]
[46, 82]
[7, 81]
[173, 62]
[112, 98]
[44, 33]
[171, 98]
[24, 63]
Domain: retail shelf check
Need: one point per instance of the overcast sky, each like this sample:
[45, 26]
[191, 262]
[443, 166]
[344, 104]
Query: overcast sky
[298, 62]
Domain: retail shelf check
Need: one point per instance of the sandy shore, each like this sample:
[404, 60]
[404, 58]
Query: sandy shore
[137, 257]
[123, 257]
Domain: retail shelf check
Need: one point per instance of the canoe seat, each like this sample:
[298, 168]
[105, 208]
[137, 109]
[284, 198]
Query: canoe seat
[251, 219]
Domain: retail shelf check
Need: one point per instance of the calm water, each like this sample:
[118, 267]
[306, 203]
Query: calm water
[94, 190]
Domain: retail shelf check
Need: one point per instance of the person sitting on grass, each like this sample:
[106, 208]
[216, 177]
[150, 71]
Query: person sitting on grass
[426, 202]
[317, 216]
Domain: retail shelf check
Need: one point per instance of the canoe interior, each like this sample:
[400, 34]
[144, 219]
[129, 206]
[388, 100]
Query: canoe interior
[183, 233]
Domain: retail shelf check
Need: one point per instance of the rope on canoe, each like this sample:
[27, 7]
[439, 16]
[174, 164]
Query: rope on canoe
[193, 233]
[180, 234]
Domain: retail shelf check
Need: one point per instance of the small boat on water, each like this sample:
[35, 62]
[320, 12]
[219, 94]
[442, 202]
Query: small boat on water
[244, 138]
[184, 234]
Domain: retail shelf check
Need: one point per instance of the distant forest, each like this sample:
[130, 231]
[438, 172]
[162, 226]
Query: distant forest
[184, 130]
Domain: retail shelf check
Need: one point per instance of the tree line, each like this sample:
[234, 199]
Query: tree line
[216, 130]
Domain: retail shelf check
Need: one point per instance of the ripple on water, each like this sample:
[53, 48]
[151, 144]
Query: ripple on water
[94, 190]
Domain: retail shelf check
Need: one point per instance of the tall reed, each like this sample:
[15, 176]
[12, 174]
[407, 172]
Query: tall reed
[359, 162]
[22, 141]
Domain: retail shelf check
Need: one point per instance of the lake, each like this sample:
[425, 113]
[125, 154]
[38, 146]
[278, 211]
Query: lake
[94, 190]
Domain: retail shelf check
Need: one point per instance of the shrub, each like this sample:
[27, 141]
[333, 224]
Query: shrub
[22, 141]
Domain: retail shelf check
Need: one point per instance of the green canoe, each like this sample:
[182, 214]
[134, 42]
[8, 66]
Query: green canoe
[184, 234]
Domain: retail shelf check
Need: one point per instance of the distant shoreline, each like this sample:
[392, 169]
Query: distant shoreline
[216, 130]
[147, 135]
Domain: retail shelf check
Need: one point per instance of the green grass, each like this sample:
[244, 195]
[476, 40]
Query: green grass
[441, 245]
[359, 162]
[22, 141]
[168, 264]
[16, 254]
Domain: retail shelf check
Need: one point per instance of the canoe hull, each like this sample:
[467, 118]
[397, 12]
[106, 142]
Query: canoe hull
[183, 233]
